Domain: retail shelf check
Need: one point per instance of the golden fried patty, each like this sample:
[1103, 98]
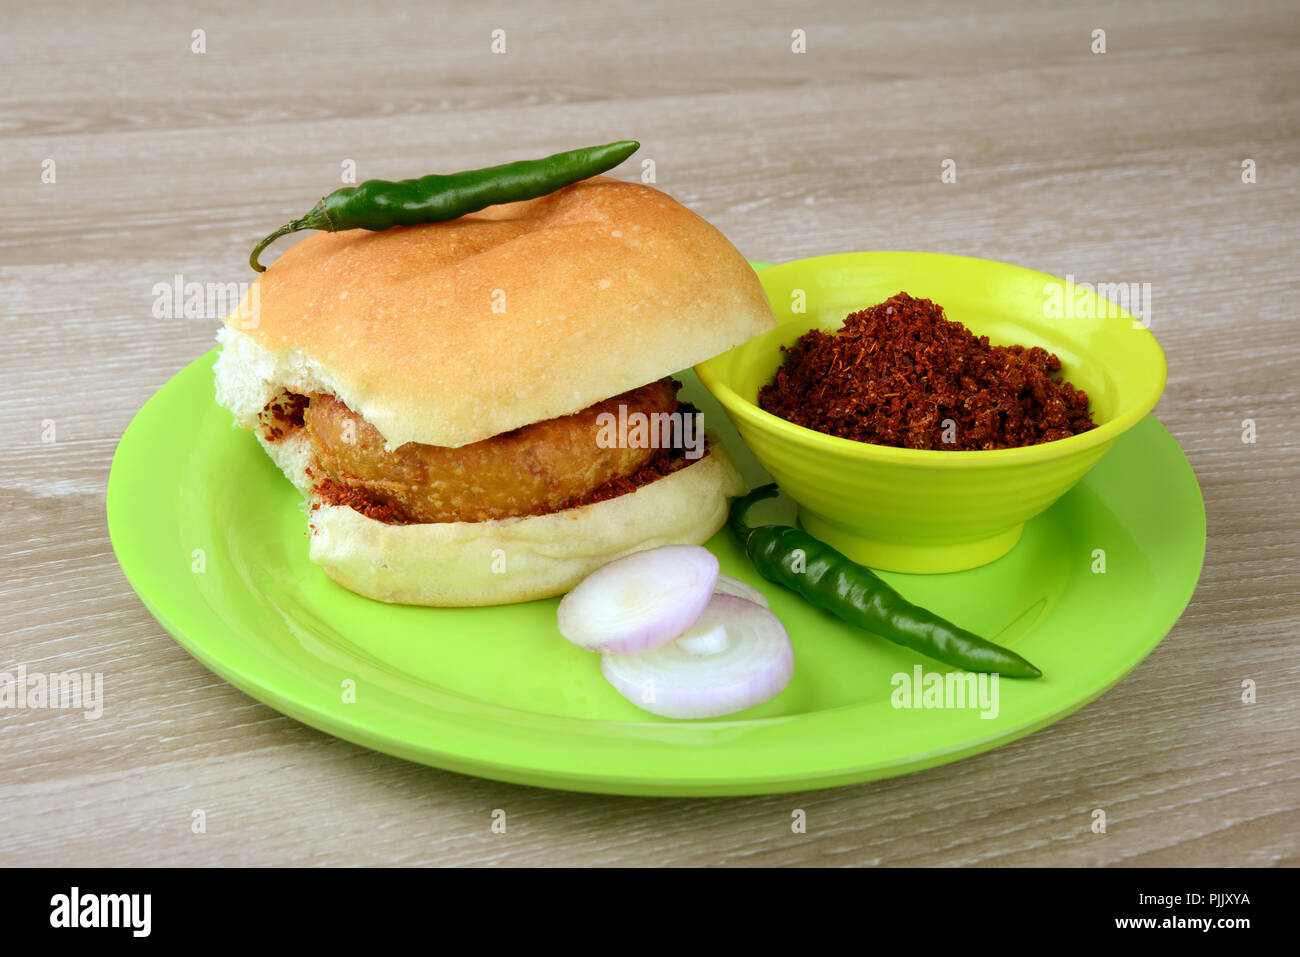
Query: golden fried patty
[537, 468]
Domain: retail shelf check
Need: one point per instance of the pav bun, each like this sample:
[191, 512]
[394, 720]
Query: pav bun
[449, 334]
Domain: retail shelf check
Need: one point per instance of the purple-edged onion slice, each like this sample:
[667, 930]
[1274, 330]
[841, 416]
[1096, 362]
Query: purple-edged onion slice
[726, 585]
[736, 655]
[639, 602]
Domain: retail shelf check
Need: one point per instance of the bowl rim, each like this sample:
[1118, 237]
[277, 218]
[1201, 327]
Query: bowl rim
[1043, 452]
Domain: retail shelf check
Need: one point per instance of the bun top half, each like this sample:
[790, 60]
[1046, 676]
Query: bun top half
[448, 333]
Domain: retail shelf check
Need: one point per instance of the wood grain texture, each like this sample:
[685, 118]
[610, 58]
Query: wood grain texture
[1124, 166]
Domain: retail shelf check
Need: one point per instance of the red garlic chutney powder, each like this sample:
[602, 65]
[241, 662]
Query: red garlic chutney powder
[902, 374]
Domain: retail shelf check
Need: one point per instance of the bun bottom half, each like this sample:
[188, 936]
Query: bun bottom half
[510, 560]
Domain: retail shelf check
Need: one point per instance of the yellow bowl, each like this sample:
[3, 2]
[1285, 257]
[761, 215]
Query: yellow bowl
[920, 510]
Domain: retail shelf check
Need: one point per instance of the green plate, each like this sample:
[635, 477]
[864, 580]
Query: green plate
[213, 538]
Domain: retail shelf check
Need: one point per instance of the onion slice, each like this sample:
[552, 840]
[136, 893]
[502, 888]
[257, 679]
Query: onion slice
[639, 602]
[727, 585]
[736, 655]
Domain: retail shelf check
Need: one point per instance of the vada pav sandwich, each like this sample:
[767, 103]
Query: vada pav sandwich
[475, 409]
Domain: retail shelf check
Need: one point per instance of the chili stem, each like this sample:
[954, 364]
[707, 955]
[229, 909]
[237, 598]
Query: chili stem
[282, 231]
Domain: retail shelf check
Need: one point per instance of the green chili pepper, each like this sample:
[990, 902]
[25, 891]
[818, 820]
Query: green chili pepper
[836, 583]
[379, 204]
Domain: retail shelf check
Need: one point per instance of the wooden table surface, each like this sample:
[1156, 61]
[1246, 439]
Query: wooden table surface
[1122, 166]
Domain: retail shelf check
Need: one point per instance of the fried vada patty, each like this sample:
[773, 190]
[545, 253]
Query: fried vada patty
[531, 470]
